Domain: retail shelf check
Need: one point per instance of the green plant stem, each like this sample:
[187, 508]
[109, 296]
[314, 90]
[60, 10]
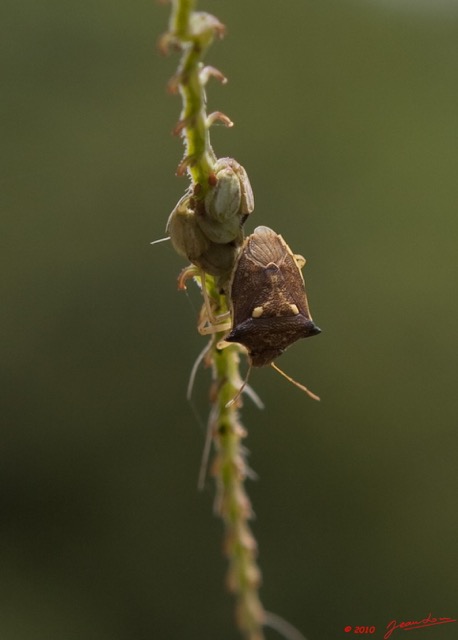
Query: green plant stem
[200, 158]
[229, 468]
[232, 503]
[179, 20]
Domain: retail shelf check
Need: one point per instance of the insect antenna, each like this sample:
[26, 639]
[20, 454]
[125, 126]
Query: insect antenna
[251, 393]
[205, 455]
[240, 391]
[195, 366]
[297, 384]
[160, 240]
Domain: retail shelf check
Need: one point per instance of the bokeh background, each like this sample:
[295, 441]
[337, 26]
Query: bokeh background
[346, 117]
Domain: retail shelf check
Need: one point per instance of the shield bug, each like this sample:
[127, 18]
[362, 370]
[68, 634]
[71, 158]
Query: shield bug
[208, 231]
[190, 241]
[228, 202]
[269, 305]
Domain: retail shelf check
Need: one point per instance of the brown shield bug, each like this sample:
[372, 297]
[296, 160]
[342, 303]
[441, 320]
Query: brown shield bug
[268, 301]
[269, 304]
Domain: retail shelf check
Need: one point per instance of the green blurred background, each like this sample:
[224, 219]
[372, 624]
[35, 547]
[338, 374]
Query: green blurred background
[346, 119]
